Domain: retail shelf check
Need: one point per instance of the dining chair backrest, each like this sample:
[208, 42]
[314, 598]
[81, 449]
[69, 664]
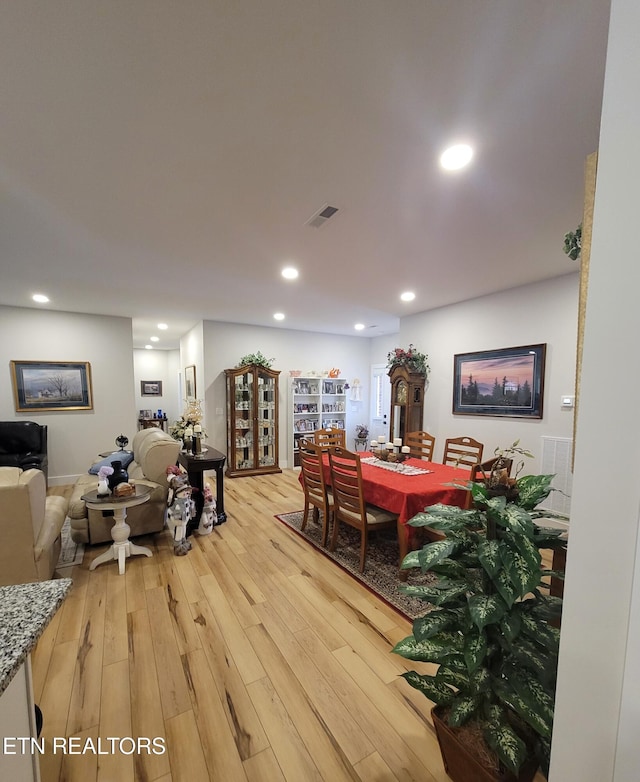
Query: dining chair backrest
[349, 505]
[312, 473]
[330, 436]
[420, 444]
[346, 483]
[462, 452]
[316, 492]
[481, 472]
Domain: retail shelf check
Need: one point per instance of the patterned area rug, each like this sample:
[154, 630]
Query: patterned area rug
[381, 566]
[71, 553]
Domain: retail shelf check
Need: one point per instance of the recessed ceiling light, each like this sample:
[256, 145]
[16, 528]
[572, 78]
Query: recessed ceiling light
[155, 339]
[408, 296]
[457, 156]
[148, 347]
[279, 315]
[163, 326]
[359, 326]
[40, 298]
[289, 273]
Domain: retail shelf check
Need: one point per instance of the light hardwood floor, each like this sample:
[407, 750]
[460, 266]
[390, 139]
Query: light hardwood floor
[254, 658]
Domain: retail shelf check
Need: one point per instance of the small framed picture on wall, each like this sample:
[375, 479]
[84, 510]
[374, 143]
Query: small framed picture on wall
[151, 387]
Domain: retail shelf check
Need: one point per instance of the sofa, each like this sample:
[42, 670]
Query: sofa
[24, 444]
[30, 527]
[153, 451]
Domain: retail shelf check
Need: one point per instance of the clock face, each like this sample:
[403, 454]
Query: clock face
[401, 393]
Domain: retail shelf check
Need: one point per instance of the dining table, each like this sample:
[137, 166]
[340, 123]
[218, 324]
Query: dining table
[406, 492]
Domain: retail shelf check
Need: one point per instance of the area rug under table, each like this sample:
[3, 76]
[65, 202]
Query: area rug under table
[381, 566]
[70, 553]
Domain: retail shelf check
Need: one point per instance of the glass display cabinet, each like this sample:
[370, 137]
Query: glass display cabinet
[407, 401]
[252, 420]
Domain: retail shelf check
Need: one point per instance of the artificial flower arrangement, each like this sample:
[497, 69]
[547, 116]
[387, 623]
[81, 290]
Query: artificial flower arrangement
[412, 359]
[255, 358]
[362, 431]
[191, 416]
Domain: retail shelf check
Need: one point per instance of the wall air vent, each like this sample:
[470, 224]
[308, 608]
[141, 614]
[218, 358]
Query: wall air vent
[318, 219]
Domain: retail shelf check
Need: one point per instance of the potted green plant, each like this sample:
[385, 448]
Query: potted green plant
[490, 629]
[255, 358]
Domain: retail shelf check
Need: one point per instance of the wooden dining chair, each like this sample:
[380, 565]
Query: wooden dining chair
[330, 436]
[420, 444]
[462, 452]
[481, 472]
[349, 505]
[317, 494]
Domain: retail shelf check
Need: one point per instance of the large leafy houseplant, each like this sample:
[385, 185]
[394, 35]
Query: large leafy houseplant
[490, 630]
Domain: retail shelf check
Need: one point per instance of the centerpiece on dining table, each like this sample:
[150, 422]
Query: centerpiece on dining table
[392, 451]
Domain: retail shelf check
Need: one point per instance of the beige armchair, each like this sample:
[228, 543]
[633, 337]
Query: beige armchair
[153, 451]
[30, 527]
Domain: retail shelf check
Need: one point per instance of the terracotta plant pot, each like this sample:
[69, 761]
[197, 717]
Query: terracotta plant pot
[462, 765]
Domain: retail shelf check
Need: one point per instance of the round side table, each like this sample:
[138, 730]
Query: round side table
[122, 547]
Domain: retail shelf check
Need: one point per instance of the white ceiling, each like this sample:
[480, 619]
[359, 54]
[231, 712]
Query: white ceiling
[159, 159]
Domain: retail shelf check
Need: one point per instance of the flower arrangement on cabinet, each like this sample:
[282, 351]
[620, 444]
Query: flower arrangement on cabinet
[412, 359]
[255, 358]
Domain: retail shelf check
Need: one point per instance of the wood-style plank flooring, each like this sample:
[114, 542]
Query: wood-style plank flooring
[253, 658]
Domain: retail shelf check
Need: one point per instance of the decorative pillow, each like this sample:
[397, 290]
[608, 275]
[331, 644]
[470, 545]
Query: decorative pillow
[125, 458]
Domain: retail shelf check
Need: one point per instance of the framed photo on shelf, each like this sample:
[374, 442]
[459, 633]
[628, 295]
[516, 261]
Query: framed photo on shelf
[508, 382]
[51, 385]
[151, 388]
[190, 381]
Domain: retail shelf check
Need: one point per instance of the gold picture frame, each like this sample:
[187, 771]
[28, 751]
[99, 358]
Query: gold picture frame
[51, 386]
[190, 381]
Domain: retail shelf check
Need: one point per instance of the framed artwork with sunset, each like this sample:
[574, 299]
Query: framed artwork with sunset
[504, 382]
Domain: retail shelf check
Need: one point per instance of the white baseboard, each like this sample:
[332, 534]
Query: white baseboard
[62, 480]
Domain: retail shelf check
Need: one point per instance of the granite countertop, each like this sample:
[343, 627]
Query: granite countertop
[25, 611]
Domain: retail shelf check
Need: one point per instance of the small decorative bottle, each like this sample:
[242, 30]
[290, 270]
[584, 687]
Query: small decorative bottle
[119, 475]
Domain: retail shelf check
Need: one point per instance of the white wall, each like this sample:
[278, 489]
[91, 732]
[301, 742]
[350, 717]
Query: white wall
[158, 365]
[192, 354]
[226, 343]
[597, 718]
[544, 312]
[75, 437]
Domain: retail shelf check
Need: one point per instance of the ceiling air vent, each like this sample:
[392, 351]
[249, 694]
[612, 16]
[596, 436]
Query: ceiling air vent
[318, 219]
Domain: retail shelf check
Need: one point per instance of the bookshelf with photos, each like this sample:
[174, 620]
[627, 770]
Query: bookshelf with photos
[316, 403]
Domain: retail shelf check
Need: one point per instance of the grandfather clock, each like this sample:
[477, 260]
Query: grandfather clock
[407, 401]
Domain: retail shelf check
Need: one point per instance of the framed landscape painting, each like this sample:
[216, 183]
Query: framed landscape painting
[51, 385]
[505, 382]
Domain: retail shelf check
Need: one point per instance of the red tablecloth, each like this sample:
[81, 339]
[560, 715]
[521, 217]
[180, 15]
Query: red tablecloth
[406, 495]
